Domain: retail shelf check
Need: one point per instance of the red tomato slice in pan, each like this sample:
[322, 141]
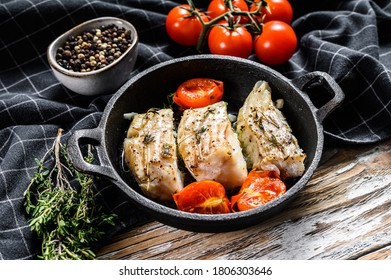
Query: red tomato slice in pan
[259, 188]
[199, 92]
[203, 197]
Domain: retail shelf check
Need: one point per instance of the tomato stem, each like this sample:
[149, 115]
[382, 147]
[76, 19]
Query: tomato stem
[191, 4]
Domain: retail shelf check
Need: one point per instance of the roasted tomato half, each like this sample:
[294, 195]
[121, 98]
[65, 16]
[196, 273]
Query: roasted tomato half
[203, 197]
[259, 188]
[199, 92]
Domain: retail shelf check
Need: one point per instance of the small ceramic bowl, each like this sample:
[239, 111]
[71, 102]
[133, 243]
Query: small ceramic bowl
[101, 81]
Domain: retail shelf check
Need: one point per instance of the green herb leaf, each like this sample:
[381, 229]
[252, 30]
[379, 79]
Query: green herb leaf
[63, 209]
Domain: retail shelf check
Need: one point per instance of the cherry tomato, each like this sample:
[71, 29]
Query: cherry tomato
[278, 10]
[259, 188]
[236, 41]
[217, 8]
[276, 44]
[183, 27]
[203, 197]
[198, 92]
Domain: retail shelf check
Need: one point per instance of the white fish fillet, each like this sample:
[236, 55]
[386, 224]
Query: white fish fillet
[266, 137]
[209, 146]
[150, 152]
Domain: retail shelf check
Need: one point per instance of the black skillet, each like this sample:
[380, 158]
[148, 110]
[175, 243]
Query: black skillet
[150, 89]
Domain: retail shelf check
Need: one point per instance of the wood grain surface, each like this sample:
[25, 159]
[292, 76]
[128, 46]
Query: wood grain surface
[343, 213]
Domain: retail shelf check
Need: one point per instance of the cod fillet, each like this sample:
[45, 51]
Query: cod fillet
[209, 146]
[266, 137]
[150, 152]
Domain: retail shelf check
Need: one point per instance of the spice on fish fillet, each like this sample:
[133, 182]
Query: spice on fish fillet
[266, 137]
[150, 152]
[209, 146]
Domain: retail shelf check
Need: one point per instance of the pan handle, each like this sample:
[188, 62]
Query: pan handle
[329, 84]
[94, 137]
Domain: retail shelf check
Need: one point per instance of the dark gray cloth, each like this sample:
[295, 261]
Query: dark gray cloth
[347, 39]
[351, 41]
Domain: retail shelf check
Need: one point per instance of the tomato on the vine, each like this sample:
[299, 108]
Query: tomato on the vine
[260, 187]
[218, 7]
[198, 92]
[183, 27]
[226, 40]
[278, 10]
[276, 44]
[203, 197]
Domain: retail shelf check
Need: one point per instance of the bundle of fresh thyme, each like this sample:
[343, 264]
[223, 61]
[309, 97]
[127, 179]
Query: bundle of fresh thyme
[64, 212]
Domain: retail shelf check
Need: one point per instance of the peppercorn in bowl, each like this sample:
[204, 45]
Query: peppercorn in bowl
[95, 57]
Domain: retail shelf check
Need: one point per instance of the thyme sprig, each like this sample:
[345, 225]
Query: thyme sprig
[64, 212]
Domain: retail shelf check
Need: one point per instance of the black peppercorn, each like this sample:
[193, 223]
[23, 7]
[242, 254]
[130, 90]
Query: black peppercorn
[94, 49]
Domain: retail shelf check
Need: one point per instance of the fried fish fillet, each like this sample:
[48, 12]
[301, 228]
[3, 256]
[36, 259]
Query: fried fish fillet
[150, 152]
[209, 146]
[266, 137]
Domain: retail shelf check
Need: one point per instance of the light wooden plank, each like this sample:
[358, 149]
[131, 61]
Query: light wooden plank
[381, 254]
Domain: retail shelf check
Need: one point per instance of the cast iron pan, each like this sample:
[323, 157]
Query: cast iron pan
[150, 89]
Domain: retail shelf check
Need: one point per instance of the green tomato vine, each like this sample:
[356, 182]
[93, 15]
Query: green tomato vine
[232, 16]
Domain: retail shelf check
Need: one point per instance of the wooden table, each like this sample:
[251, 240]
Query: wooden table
[343, 213]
